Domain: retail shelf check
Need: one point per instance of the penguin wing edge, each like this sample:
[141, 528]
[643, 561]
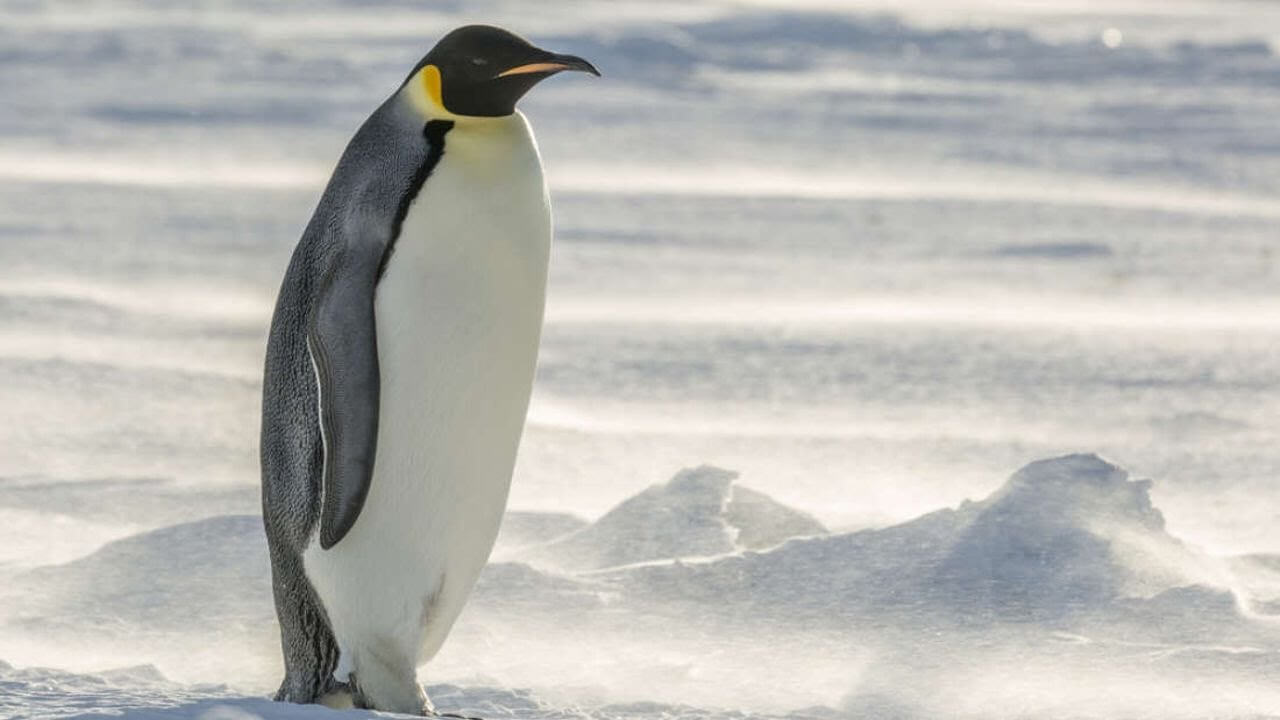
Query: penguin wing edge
[343, 346]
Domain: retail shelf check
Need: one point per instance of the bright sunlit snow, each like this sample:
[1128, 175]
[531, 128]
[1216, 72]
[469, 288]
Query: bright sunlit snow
[906, 359]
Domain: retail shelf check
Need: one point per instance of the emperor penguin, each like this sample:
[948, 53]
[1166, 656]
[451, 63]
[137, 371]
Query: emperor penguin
[398, 371]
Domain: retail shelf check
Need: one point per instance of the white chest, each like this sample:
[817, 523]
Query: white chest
[459, 314]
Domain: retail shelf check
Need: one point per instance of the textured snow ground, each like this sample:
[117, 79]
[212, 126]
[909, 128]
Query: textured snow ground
[701, 593]
[872, 256]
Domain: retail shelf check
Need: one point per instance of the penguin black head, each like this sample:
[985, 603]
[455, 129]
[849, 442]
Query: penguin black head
[481, 70]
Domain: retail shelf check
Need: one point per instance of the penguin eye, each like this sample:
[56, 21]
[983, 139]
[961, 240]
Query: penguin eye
[479, 61]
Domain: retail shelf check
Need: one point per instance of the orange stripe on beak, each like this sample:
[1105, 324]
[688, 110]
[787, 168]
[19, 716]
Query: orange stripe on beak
[533, 68]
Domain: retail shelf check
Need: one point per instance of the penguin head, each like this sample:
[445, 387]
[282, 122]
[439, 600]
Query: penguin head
[481, 71]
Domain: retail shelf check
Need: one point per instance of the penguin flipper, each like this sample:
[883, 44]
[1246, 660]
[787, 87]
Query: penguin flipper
[342, 342]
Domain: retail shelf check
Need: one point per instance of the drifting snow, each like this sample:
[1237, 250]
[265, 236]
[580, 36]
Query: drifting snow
[875, 261]
[1069, 544]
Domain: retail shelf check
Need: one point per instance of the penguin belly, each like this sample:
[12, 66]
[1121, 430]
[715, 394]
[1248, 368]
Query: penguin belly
[459, 315]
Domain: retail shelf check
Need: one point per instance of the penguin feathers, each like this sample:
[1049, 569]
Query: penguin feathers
[330, 289]
[399, 369]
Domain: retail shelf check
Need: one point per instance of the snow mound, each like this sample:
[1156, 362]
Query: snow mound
[698, 513]
[762, 522]
[1079, 485]
[1065, 536]
[208, 572]
[1048, 541]
[1075, 530]
[1070, 543]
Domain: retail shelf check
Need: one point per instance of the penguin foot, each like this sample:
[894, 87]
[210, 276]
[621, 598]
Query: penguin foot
[409, 699]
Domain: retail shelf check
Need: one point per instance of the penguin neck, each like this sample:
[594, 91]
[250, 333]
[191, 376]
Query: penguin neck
[430, 109]
[500, 147]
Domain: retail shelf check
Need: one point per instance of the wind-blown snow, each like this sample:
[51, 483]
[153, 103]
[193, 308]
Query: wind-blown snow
[1067, 564]
[873, 256]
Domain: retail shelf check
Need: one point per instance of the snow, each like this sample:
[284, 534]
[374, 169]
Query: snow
[1068, 562]
[698, 512]
[872, 256]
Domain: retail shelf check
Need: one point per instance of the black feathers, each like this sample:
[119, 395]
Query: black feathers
[434, 131]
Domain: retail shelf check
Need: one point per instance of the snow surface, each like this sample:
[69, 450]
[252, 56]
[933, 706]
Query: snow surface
[1065, 567]
[698, 512]
[871, 255]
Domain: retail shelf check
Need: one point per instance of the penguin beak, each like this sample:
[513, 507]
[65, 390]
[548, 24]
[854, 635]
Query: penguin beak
[551, 64]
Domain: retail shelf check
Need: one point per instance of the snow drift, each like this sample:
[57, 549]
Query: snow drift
[699, 512]
[1067, 559]
[1062, 538]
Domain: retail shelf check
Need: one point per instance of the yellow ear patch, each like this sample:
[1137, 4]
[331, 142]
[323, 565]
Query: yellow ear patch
[431, 83]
